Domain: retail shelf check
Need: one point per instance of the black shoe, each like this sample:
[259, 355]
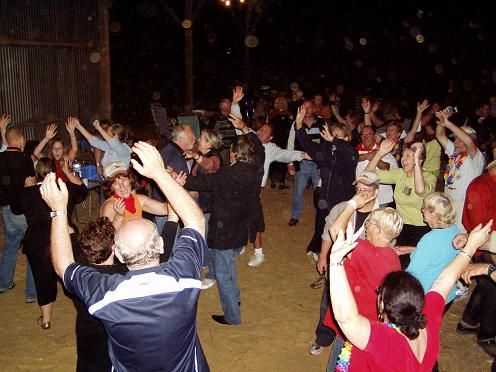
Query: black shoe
[489, 346]
[272, 185]
[464, 329]
[220, 319]
[293, 222]
[283, 186]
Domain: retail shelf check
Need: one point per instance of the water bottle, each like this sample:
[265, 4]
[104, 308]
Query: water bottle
[76, 168]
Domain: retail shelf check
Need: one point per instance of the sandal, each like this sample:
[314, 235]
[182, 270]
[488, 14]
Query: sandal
[43, 325]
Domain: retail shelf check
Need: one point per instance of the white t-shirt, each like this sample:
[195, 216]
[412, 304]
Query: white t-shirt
[461, 172]
[385, 191]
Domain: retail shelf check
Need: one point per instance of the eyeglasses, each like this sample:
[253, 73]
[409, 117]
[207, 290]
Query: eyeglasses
[368, 223]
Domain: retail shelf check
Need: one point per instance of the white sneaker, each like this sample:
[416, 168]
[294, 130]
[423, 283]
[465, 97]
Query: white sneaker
[313, 257]
[242, 251]
[207, 283]
[256, 260]
[315, 349]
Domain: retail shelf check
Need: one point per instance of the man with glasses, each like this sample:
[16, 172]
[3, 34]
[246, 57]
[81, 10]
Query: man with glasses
[367, 186]
[366, 151]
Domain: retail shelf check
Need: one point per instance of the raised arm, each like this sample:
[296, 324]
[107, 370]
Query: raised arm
[4, 123]
[421, 107]
[457, 131]
[355, 327]
[418, 175]
[56, 197]
[51, 132]
[179, 199]
[366, 107]
[385, 148]
[84, 132]
[447, 279]
[70, 125]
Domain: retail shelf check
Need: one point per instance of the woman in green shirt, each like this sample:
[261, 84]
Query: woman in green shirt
[412, 184]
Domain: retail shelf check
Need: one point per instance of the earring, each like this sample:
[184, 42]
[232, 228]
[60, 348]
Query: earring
[381, 317]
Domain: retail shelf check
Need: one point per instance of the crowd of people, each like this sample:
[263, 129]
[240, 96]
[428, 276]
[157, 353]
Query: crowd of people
[404, 211]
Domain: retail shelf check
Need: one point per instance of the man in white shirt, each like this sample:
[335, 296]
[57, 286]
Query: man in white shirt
[366, 151]
[464, 164]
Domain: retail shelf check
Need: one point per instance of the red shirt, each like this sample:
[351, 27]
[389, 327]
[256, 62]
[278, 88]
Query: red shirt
[388, 350]
[365, 270]
[480, 202]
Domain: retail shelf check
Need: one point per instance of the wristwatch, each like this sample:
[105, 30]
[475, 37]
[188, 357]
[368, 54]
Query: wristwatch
[57, 213]
[491, 269]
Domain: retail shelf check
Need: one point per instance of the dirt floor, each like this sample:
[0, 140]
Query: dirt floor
[279, 312]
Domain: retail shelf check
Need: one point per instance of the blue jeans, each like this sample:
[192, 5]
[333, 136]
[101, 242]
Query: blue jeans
[14, 228]
[160, 222]
[225, 273]
[308, 169]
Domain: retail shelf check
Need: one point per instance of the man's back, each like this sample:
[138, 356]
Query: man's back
[149, 314]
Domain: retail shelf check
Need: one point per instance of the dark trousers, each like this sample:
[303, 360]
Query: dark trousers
[323, 334]
[410, 235]
[277, 172]
[481, 308]
[320, 215]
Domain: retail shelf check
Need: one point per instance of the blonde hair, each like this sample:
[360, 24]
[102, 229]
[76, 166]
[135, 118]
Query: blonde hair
[441, 205]
[389, 221]
[212, 138]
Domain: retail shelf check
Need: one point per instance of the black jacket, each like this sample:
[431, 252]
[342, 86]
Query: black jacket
[337, 162]
[235, 199]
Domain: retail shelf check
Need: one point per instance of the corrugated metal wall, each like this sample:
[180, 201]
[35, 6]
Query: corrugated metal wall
[40, 84]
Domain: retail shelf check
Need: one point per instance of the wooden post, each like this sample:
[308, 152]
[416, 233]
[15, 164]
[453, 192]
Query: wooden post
[104, 50]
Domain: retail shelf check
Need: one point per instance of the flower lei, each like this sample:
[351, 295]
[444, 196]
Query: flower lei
[396, 151]
[343, 363]
[452, 171]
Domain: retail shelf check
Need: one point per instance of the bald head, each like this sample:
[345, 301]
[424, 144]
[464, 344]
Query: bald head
[138, 244]
[15, 138]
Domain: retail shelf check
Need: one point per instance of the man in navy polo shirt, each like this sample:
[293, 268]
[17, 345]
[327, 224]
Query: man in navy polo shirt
[149, 313]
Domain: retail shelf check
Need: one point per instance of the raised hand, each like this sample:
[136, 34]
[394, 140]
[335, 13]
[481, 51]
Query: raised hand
[4, 121]
[96, 125]
[326, 134]
[119, 207]
[386, 147]
[342, 246]
[478, 237]
[153, 165]
[236, 121]
[51, 131]
[238, 94]
[300, 115]
[361, 198]
[366, 104]
[417, 150]
[422, 106]
[71, 124]
[54, 193]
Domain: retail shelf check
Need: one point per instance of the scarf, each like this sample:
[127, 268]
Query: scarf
[59, 173]
[128, 202]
